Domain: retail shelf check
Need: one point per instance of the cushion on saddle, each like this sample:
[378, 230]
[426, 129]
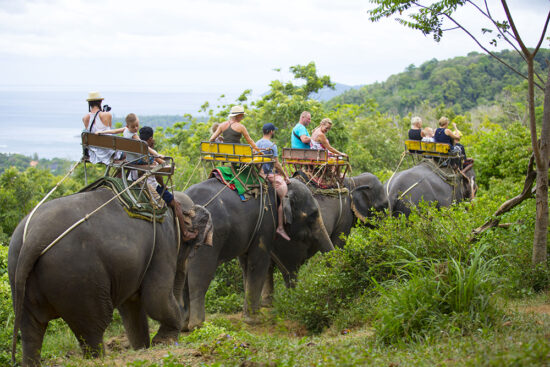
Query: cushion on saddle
[248, 177]
[143, 207]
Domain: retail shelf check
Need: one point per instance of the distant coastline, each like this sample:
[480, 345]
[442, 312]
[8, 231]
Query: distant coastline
[49, 122]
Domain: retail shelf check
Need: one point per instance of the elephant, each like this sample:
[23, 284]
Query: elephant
[246, 230]
[340, 213]
[108, 261]
[426, 181]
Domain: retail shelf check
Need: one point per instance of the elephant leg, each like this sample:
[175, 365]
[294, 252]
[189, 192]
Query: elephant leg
[88, 320]
[32, 335]
[267, 290]
[201, 271]
[89, 334]
[160, 304]
[257, 265]
[135, 322]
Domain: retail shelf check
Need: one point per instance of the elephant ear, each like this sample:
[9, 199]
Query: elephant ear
[202, 222]
[287, 210]
[360, 202]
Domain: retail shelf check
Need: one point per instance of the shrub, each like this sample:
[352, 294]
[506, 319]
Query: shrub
[6, 310]
[331, 285]
[439, 297]
[225, 294]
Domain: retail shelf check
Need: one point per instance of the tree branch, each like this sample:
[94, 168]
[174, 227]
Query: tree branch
[487, 50]
[514, 29]
[542, 35]
[509, 204]
[490, 17]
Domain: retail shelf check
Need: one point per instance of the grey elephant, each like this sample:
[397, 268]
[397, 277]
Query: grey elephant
[109, 261]
[426, 181]
[340, 213]
[246, 230]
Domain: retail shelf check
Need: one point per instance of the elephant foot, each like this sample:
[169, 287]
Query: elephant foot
[164, 339]
[267, 302]
[251, 319]
[194, 325]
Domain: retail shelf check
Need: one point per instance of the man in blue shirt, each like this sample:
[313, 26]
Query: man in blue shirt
[277, 177]
[300, 137]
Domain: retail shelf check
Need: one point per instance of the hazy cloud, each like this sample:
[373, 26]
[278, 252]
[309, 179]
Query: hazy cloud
[216, 44]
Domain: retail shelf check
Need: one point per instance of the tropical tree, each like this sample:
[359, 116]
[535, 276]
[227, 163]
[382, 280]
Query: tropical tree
[437, 17]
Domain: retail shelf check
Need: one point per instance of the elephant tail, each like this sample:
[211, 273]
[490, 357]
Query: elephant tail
[25, 263]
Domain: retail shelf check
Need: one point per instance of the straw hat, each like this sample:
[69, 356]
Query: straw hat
[236, 110]
[94, 96]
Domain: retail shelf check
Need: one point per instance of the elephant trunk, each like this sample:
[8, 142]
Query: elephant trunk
[321, 235]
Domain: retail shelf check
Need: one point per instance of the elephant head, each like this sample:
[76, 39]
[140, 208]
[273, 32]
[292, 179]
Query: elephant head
[367, 195]
[197, 219]
[302, 218]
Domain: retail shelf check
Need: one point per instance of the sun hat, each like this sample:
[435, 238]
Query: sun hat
[269, 127]
[94, 96]
[236, 110]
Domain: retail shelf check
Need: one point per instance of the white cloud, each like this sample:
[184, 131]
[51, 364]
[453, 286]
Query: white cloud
[198, 45]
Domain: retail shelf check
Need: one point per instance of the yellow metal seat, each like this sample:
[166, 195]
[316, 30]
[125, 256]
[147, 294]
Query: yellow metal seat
[413, 145]
[442, 148]
[232, 153]
[428, 146]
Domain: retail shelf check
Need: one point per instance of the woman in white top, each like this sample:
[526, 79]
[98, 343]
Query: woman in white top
[96, 121]
[319, 139]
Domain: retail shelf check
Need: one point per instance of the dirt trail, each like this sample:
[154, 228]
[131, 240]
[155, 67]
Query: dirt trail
[118, 351]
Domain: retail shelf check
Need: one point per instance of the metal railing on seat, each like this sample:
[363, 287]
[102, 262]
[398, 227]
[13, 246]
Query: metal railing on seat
[320, 166]
[232, 153]
[138, 158]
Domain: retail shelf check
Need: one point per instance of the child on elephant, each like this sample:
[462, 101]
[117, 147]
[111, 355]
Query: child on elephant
[130, 132]
[156, 185]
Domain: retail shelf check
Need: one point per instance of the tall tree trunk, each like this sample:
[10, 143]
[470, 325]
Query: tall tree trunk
[541, 224]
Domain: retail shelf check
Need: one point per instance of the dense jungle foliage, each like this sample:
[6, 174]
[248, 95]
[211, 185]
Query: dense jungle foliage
[401, 285]
[461, 82]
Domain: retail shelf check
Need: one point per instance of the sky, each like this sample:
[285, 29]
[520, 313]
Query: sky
[217, 45]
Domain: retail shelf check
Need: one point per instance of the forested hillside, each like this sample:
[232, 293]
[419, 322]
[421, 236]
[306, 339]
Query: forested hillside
[461, 83]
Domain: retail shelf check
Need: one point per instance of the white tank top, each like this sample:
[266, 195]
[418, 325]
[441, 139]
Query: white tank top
[127, 133]
[98, 124]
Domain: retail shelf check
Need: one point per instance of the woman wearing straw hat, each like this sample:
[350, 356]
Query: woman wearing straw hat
[232, 130]
[94, 121]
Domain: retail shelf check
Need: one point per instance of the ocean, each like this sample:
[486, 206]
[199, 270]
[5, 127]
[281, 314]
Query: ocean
[49, 122]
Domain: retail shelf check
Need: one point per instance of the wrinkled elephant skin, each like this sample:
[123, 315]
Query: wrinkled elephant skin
[109, 261]
[410, 187]
[237, 234]
[340, 213]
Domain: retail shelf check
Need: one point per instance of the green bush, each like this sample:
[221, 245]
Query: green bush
[439, 297]
[331, 286]
[226, 293]
[6, 310]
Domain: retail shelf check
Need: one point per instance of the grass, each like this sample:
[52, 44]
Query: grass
[521, 339]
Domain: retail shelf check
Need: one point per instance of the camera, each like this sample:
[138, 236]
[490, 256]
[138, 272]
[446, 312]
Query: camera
[106, 108]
